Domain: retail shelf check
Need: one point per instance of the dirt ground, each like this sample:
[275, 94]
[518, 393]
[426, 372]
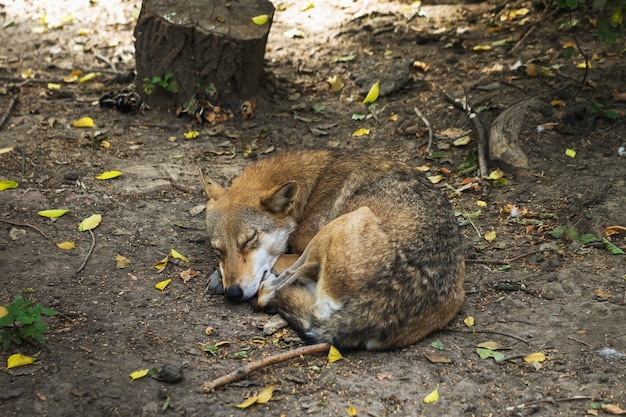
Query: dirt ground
[560, 297]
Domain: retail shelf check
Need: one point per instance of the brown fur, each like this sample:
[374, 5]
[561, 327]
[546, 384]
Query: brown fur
[381, 264]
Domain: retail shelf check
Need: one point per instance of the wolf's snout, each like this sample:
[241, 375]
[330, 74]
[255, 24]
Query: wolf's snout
[234, 293]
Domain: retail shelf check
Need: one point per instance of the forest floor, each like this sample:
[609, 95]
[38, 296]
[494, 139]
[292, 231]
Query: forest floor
[527, 290]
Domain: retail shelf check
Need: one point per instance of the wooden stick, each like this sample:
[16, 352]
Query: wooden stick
[429, 126]
[8, 111]
[549, 400]
[241, 372]
[512, 336]
[93, 244]
[505, 261]
[24, 225]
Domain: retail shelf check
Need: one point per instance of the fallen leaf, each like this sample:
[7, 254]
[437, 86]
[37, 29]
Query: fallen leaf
[382, 377]
[54, 86]
[463, 140]
[178, 255]
[613, 409]
[435, 178]
[437, 358]
[535, 357]
[260, 19]
[422, 66]
[496, 174]
[557, 103]
[600, 293]
[6, 184]
[188, 274]
[83, 122]
[52, 214]
[247, 403]
[265, 395]
[469, 321]
[491, 345]
[432, 397]
[481, 203]
[570, 152]
[121, 262]
[3, 311]
[18, 359]
[334, 355]
[488, 353]
[161, 285]
[335, 83]
[481, 48]
[437, 344]
[351, 411]
[361, 132]
[131, 276]
[138, 374]
[614, 230]
[90, 222]
[192, 134]
[490, 236]
[6, 150]
[88, 77]
[162, 263]
[372, 95]
[109, 175]
[584, 65]
[66, 245]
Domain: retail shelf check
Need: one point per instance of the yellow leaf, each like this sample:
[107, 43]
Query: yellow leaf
[592, 412]
[192, 134]
[83, 32]
[335, 83]
[469, 321]
[247, 403]
[361, 132]
[423, 168]
[535, 357]
[570, 152]
[613, 409]
[481, 48]
[307, 7]
[178, 255]
[54, 86]
[108, 175]
[432, 397]
[393, 118]
[161, 285]
[27, 74]
[490, 236]
[614, 230]
[372, 95]
[73, 77]
[569, 45]
[121, 262]
[265, 395]
[3, 311]
[463, 140]
[6, 184]
[105, 144]
[583, 65]
[435, 179]
[352, 411]
[6, 150]
[53, 214]
[88, 77]
[491, 345]
[19, 360]
[162, 263]
[66, 245]
[138, 374]
[260, 19]
[434, 358]
[481, 203]
[90, 222]
[83, 122]
[334, 355]
[496, 174]
[557, 103]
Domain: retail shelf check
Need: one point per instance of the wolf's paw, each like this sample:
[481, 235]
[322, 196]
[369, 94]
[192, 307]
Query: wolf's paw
[214, 284]
[265, 295]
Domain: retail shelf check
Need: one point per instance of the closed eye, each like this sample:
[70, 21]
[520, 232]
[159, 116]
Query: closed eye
[252, 240]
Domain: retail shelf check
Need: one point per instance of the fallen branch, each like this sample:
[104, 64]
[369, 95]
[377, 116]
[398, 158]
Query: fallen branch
[93, 244]
[24, 225]
[478, 128]
[505, 261]
[241, 372]
[512, 336]
[429, 126]
[8, 111]
[549, 400]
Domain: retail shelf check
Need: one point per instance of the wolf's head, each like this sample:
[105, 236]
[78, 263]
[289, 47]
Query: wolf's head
[248, 229]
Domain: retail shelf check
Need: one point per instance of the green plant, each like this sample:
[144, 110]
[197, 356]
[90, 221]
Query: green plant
[610, 15]
[599, 108]
[20, 321]
[166, 82]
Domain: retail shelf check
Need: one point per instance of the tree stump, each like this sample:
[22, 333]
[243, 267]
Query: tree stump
[192, 49]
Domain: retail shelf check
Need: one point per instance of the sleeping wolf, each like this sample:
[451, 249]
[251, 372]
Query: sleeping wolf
[354, 250]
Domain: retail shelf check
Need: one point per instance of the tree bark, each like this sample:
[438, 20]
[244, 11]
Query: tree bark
[200, 49]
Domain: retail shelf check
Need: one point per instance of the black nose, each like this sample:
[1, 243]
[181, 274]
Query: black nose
[234, 293]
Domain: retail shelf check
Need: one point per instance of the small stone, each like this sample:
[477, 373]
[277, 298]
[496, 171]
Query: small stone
[274, 324]
[171, 373]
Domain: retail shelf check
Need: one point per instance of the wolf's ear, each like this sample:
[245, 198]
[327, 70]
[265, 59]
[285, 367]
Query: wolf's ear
[280, 198]
[211, 188]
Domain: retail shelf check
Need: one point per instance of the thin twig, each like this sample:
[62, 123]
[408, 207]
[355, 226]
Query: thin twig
[24, 225]
[242, 372]
[549, 400]
[512, 336]
[505, 261]
[580, 341]
[541, 20]
[93, 244]
[584, 80]
[419, 114]
[8, 111]
[478, 127]
[106, 61]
